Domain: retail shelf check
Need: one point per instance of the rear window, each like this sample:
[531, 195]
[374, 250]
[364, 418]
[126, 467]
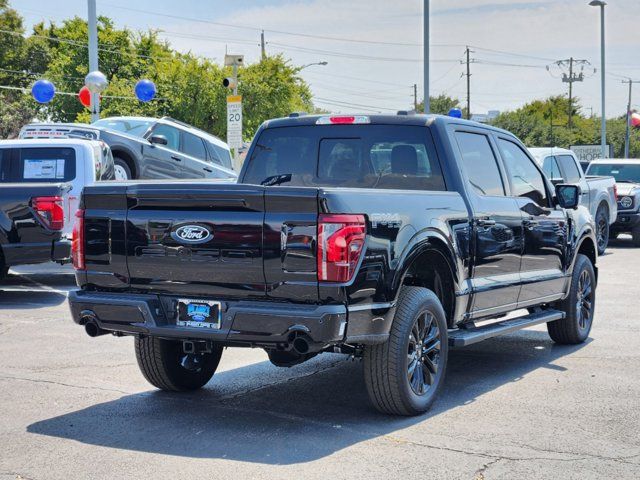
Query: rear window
[45, 165]
[371, 156]
[622, 172]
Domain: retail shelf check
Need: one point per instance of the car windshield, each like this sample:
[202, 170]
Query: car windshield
[129, 126]
[622, 172]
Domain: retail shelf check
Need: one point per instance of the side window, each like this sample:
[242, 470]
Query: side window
[551, 169]
[5, 155]
[172, 135]
[193, 146]
[480, 163]
[526, 179]
[570, 168]
[221, 156]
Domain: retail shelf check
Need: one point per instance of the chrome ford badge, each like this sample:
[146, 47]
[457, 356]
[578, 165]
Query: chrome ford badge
[191, 234]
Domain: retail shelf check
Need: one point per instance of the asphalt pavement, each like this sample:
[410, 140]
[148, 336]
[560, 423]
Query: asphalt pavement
[518, 406]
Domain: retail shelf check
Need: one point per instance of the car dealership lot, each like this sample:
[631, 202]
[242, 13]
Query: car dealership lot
[516, 406]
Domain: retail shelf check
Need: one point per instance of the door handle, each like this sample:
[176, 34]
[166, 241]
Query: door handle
[177, 159]
[207, 170]
[485, 222]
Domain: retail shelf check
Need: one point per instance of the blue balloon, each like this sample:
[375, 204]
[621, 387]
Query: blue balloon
[43, 91]
[455, 112]
[145, 90]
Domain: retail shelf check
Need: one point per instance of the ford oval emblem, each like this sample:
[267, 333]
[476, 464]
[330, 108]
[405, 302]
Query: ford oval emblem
[191, 234]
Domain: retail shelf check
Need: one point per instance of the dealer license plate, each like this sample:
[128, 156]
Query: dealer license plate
[198, 313]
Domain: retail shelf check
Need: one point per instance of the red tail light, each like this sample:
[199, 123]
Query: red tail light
[77, 242]
[340, 243]
[50, 211]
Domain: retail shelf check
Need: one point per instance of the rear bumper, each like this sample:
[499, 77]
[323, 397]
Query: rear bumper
[625, 222]
[266, 324]
[32, 253]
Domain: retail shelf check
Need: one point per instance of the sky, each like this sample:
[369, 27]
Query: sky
[374, 47]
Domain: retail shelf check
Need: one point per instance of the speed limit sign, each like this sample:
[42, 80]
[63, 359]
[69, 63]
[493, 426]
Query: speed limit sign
[234, 121]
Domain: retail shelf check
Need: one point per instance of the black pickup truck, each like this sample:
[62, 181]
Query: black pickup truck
[391, 238]
[32, 218]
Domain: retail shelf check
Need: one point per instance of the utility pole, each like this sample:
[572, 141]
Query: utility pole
[93, 55]
[570, 78]
[262, 46]
[628, 129]
[415, 97]
[425, 42]
[468, 74]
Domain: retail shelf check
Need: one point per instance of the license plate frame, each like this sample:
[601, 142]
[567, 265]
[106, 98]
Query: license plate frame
[198, 313]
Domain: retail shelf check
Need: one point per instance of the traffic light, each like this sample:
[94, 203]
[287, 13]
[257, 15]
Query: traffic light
[230, 82]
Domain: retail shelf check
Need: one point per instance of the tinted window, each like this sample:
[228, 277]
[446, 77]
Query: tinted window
[4, 163]
[193, 146]
[47, 165]
[172, 135]
[570, 168]
[622, 172]
[550, 168]
[526, 179]
[371, 156]
[480, 163]
[220, 155]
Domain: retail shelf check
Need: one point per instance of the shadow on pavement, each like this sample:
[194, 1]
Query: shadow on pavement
[308, 415]
[34, 291]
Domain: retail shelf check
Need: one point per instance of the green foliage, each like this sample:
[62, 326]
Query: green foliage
[545, 123]
[442, 104]
[189, 88]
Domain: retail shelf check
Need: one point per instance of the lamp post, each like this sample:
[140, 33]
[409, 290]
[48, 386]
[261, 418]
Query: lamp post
[425, 46]
[603, 124]
[323, 63]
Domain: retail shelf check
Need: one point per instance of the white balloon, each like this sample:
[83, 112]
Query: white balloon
[96, 82]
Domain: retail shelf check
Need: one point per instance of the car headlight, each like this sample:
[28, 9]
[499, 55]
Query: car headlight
[626, 202]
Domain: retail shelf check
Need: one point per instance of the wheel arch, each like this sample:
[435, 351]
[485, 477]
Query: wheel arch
[126, 155]
[430, 262]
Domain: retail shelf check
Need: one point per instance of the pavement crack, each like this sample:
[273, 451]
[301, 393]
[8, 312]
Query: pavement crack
[24, 379]
[19, 476]
[479, 475]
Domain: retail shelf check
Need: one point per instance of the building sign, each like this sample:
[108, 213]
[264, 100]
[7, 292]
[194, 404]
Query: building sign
[234, 121]
[587, 153]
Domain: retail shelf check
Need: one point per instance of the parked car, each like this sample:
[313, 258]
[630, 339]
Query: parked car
[385, 237]
[627, 175]
[74, 162]
[149, 147]
[598, 192]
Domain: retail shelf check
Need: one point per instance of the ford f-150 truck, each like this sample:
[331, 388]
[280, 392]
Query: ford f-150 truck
[627, 175]
[598, 192]
[391, 238]
[32, 219]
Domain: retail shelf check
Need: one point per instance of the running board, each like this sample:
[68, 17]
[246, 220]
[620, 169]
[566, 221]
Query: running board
[467, 336]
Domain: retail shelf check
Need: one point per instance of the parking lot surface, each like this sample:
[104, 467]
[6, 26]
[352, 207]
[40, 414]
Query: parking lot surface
[516, 406]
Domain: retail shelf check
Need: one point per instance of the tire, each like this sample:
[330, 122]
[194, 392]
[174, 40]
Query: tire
[387, 365]
[635, 237]
[602, 229]
[575, 327]
[121, 169]
[161, 362]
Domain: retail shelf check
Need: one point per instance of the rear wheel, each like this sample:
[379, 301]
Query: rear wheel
[602, 226]
[579, 306]
[121, 169]
[165, 365]
[405, 374]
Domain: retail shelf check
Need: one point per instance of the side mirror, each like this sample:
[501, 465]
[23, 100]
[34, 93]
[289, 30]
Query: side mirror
[568, 196]
[557, 181]
[158, 139]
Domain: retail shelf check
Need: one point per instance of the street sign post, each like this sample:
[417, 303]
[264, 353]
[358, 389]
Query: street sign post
[234, 121]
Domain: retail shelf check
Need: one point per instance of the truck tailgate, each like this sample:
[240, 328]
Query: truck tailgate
[206, 239]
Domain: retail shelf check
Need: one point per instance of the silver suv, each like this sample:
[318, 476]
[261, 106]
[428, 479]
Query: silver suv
[146, 147]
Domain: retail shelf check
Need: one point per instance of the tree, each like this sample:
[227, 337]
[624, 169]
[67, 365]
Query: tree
[442, 104]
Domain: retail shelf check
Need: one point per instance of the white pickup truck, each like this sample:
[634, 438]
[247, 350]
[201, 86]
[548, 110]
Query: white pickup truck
[598, 193]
